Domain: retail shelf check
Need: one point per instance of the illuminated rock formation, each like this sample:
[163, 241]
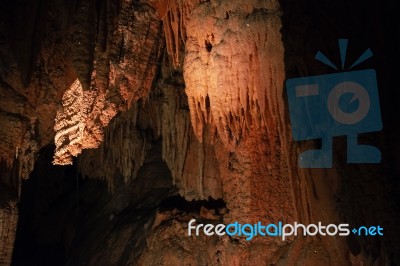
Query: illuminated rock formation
[180, 107]
[117, 79]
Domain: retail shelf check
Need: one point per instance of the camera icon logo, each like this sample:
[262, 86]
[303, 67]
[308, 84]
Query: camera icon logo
[340, 104]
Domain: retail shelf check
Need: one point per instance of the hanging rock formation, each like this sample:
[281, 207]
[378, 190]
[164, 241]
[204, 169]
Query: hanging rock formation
[180, 107]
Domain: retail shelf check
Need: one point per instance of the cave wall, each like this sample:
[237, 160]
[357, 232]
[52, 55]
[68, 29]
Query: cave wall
[108, 81]
[8, 224]
[67, 67]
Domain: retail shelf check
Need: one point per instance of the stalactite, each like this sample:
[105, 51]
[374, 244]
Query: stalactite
[26, 154]
[233, 63]
[193, 165]
[175, 129]
[79, 124]
[119, 79]
[121, 154]
[173, 14]
[230, 64]
[135, 38]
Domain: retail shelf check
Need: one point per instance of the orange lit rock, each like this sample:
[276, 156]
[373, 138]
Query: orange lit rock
[118, 79]
[75, 123]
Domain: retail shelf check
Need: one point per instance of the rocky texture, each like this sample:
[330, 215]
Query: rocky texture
[122, 152]
[128, 138]
[207, 120]
[227, 103]
[75, 129]
[8, 224]
[91, 53]
[119, 37]
[117, 78]
[233, 70]
[194, 164]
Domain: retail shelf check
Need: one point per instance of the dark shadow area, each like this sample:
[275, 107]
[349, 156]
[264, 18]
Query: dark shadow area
[65, 219]
[368, 194]
[39, 240]
[180, 203]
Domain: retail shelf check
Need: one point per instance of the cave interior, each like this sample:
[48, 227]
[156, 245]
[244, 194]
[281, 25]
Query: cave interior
[122, 120]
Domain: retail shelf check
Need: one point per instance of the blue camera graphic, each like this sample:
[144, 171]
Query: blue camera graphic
[340, 104]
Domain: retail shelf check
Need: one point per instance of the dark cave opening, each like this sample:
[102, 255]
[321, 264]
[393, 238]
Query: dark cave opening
[45, 190]
[181, 204]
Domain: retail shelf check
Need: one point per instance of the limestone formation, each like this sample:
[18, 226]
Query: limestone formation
[121, 120]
